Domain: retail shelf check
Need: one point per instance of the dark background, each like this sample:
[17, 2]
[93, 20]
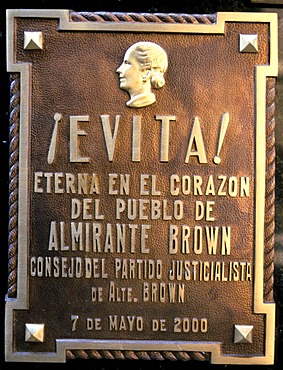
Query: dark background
[175, 6]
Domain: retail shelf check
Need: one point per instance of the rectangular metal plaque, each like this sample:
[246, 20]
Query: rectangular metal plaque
[141, 186]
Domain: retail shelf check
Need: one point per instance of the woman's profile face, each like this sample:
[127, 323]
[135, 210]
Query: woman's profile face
[130, 73]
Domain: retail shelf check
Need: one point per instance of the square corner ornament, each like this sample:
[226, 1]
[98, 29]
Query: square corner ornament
[141, 186]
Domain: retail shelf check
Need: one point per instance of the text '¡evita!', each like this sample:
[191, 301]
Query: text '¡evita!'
[195, 147]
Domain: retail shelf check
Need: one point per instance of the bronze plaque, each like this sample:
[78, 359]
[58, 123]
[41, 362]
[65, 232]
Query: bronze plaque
[142, 184]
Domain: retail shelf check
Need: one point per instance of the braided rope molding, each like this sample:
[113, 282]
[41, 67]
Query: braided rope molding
[137, 355]
[270, 191]
[13, 184]
[142, 17]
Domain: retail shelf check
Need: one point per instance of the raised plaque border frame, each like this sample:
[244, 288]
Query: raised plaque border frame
[21, 301]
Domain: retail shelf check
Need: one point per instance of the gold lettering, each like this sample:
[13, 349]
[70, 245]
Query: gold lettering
[110, 140]
[164, 146]
[136, 139]
[75, 132]
[37, 179]
[196, 140]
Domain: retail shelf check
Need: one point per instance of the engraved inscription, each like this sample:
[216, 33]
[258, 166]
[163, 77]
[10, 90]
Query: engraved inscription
[187, 204]
[195, 148]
